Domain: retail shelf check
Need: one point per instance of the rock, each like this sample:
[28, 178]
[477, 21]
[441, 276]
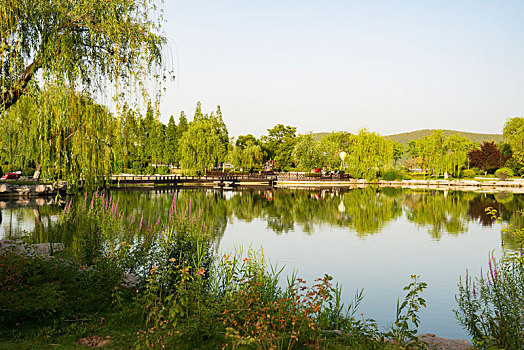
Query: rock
[40, 189]
[29, 250]
[129, 280]
[437, 343]
[45, 248]
[94, 341]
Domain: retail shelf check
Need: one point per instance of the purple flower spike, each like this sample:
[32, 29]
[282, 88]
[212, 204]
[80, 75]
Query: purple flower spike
[140, 225]
[190, 204]
[158, 221]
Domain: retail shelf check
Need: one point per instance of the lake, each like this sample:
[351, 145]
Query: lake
[368, 238]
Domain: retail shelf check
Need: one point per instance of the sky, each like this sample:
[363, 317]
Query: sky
[330, 65]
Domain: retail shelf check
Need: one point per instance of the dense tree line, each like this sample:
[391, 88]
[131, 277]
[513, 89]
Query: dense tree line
[70, 136]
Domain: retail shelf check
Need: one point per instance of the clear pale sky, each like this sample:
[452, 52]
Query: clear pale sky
[325, 65]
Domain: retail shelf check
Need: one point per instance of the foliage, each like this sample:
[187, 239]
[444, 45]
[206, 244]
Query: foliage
[487, 157]
[469, 173]
[44, 289]
[246, 153]
[368, 154]
[407, 312]
[67, 134]
[437, 154]
[279, 144]
[204, 144]
[514, 135]
[490, 307]
[392, 174]
[504, 173]
[306, 153]
[79, 42]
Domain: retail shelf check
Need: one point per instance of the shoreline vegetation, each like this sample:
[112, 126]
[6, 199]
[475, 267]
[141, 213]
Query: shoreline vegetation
[64, 66]
[161, 284]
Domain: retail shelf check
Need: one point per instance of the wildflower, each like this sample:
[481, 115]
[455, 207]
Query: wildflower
[141, 221]
[201, 272]
[172, 260]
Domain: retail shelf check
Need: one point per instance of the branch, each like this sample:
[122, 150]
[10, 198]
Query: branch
[14, 93]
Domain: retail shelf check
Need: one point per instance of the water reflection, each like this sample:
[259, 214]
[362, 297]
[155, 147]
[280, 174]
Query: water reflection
[366, 211]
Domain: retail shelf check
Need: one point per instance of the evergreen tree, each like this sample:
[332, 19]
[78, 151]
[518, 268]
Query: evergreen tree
[171, 142]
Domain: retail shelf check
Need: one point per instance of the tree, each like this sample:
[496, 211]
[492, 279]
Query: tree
[200, 146]
[369, 153]
[246, 152]
[398, 151]
[487, 157]
[243, 140]
[171, 142]
[66, 134]
[90, 42]
[456, 153]
[279, 144]
[307, 153]
[513, 133]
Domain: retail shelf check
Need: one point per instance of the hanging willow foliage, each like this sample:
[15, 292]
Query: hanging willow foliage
[51, 48]
[77, 41]
[65, 133]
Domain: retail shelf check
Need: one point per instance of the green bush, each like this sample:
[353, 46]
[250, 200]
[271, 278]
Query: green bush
[469, 173]
[513, 164]
[392, 174]
[477, 171]
[43, 289]
[163, 170]
[504, 173]
[521, 171]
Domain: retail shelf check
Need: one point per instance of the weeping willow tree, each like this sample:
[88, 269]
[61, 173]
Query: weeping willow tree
[87, 42]
[66, 134]
[107, 48]
[369, 153]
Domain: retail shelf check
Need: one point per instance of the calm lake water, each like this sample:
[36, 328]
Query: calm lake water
[365, 238]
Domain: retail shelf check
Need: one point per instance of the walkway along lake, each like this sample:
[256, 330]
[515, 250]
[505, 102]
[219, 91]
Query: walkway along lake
[371, 238]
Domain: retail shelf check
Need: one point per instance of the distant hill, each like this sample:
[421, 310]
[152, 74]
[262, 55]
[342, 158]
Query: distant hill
[405, 137]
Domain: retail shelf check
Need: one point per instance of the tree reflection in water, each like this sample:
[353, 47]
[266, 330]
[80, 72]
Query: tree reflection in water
[365, 211]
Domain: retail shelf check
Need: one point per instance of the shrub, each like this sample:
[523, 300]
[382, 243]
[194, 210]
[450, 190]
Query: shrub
[392, 174]
[490, 307]
[504, 173]
[44, 289]
[469, 173]
[521, 171]
[477, 171]
[163, 170]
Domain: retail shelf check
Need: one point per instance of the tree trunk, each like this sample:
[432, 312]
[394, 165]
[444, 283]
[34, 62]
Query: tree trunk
[38, 171]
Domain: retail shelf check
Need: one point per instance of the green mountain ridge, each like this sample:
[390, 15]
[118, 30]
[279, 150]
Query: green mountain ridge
[405, 137]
